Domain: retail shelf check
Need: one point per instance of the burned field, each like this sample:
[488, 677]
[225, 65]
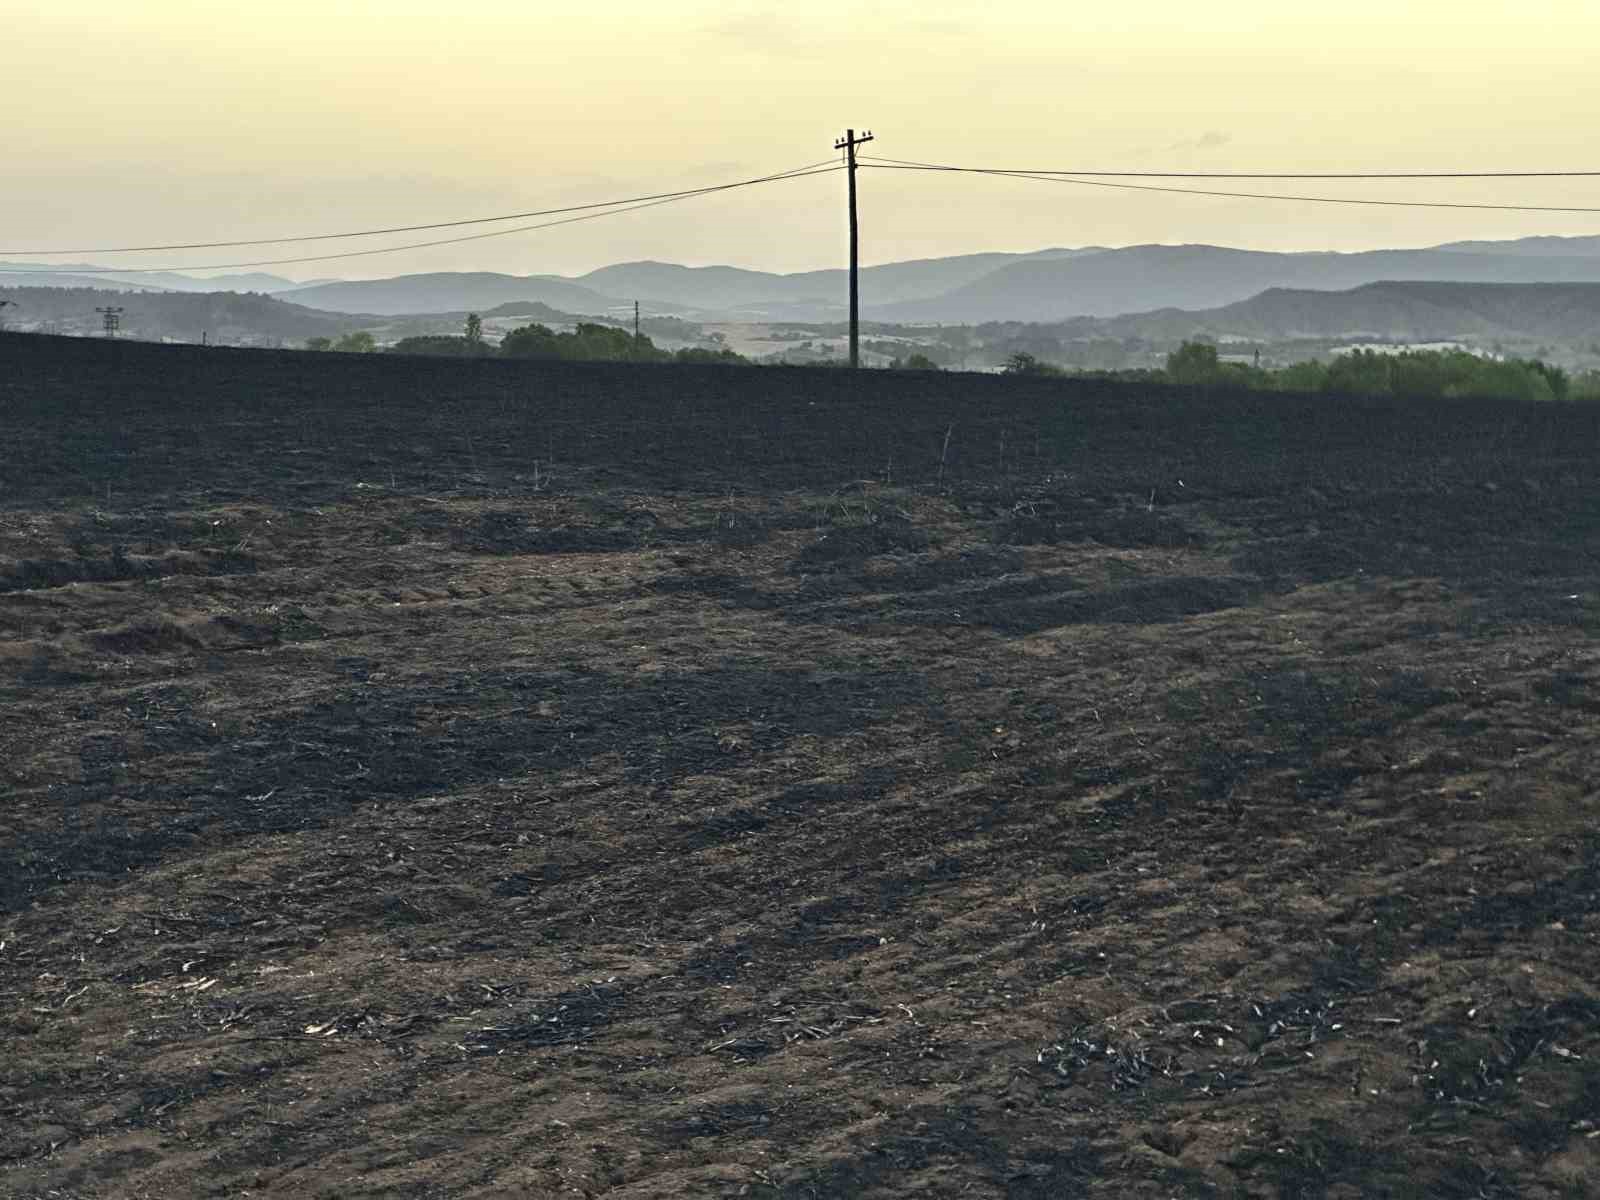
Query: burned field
[441, 779]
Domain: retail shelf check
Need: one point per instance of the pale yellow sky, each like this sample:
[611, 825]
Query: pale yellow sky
[177, 120]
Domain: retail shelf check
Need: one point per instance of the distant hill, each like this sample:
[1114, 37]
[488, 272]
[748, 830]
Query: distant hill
[223, 316]
[1401, 311]
[89, 275]
[803, 295]
[451, 291]
[1532, 247]
[24, 276]
[1047, 285]
[252, 281]
[1140, 278]
[530, 309]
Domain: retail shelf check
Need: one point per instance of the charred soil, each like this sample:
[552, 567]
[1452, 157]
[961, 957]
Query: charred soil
[481, 779]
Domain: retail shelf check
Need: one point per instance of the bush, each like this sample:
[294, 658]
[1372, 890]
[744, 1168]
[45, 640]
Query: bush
[701, 356]
[587, 343]
[442, 346]
[531, 341]
[1194, 363]
[1023, 363]
[361, 342]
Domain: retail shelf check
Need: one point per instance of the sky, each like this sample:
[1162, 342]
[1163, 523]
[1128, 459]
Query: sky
[156, 121]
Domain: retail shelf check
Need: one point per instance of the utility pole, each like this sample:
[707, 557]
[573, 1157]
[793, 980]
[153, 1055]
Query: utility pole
[636, 327]
[5, 304]
[112, 315]
[848, 144]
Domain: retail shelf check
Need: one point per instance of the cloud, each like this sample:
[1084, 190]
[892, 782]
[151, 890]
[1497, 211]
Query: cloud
[943, 27]
[767, 31]
[1212, 139]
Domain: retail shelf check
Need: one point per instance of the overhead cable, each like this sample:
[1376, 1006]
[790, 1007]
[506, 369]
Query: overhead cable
[895, 165]
[1262, 174]
[471, 237]
[326, 237]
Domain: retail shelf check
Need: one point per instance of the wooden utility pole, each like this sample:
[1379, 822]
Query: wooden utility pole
[848, 144]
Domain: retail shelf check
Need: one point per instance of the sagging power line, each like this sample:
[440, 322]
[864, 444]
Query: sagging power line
[892, 164]
[793, 172]
[1353, 175]
[473, 237]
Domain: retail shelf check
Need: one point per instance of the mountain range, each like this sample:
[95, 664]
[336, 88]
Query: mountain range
[668, 289]
[1045, 286]
[1050, 285]
[1140, 278]
[1397, 311]
[87, 275]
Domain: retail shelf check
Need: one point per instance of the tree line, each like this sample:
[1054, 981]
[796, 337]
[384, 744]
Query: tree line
[587, 342]
[1409, 374]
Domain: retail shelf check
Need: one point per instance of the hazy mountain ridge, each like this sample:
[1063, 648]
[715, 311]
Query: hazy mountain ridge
[1532, 247]
[68, 280]
[89, 275]
[735, 287]
[187, 316]
[1141, 278]
[1045, 286]
[451, 291]
[1395, 310]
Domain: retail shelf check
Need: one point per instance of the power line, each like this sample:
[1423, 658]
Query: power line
[1261, 174]
[325, 237]
[474, 237]
[896, 165]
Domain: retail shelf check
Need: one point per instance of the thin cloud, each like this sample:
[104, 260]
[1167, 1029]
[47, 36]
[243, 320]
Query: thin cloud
[772, 32]
[944, 26]
[767, 32]
[1212, 139]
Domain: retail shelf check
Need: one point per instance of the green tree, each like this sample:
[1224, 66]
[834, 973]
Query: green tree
[1585, 388]
[1559, 381]
[1194, 363]
[1309, 376]
[1506, 380]
[474, 331]
[705, 356]
[1023, 363]
[914, 362]
[319, 343]
[441, 345]
[360, 342]
[606, 343]
[531, 341]
[1360, 373]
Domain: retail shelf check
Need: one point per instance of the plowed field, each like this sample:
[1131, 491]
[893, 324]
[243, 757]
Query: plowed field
[443, 779]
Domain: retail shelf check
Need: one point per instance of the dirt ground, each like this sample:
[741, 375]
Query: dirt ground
[469, 780]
